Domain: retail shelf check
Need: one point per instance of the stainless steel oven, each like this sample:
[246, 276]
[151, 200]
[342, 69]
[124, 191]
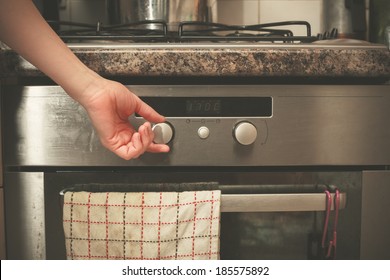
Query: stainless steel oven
[271, 149]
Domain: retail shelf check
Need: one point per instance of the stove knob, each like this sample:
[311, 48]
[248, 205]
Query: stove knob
[163, 133]
[245, 133]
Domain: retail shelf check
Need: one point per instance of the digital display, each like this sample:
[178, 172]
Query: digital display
[203, 107]
[173, 106]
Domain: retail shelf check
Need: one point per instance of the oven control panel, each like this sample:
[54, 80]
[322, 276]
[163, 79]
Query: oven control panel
[210, 125]
[245, 133]
[209, 118]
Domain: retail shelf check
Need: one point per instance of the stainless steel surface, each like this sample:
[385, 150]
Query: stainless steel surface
[336, 15]
[375, 241]
[311, 125]
[379, 19]
[387, 37]
[2, 224]
[322, 44]
[25, 215]
[170, 11]
[1, 145]
[348, 16]
[2, 227]
[126, 11]
[277, 202]
[332, 128]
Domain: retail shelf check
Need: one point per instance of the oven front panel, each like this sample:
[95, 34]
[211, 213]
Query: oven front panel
[37, 231]
[295, 126]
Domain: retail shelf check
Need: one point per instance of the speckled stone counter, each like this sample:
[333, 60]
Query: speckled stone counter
[216, 61]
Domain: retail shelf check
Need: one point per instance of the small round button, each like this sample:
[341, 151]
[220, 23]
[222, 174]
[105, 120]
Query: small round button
[163, 133]
[203, 132]
[245, 133]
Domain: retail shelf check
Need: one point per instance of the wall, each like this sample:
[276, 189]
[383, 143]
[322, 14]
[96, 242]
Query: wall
[83, 11]
[263, 11]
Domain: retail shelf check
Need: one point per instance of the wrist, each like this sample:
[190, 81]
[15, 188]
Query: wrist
[82, 85]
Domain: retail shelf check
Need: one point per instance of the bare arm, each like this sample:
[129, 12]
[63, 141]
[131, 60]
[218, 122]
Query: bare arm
[24, 30]
[108, 103]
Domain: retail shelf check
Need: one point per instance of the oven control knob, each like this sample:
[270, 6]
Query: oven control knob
[163, 133]
[245, 133]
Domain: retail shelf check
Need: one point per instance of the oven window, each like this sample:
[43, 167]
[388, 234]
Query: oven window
[271, 236]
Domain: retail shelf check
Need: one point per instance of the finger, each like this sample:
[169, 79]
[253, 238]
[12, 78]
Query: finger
[131, 149]
[147, 129]
[136, 147]
[158, 148]
[147, 112]
[145, 133]
[151, 146]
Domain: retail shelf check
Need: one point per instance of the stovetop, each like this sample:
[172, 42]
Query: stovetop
[198, 35]
[191, 31]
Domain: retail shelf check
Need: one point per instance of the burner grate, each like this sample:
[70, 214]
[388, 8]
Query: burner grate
[258, 32]
[189, 31]
[138, 31]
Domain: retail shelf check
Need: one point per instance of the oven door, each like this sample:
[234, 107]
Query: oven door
[265, 214]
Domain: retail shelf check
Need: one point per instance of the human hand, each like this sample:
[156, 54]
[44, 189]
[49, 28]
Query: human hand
[109, 104]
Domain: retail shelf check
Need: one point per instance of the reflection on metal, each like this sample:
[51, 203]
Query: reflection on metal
[25, 216]
[276, 202]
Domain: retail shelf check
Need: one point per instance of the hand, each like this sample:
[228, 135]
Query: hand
[109, 104]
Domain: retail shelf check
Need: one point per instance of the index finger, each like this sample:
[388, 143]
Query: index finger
[147, 112]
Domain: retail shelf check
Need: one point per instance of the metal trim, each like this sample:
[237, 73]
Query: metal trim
[277, 202]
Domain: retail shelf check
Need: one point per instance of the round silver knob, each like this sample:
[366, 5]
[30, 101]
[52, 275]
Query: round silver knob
[245, 133]
[163, 133]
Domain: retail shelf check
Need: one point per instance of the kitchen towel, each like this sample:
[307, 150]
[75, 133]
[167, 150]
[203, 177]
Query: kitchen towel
[142, 225]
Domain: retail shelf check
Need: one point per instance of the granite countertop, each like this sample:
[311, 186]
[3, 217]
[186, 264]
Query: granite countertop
[238, 60]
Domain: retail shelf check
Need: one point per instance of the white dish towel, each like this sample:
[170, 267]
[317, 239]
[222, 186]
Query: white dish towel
[142, 225]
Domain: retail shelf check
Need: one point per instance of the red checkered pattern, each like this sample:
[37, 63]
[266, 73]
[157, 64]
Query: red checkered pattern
[142, 226]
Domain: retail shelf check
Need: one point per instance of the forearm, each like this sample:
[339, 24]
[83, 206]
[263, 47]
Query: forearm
[24, 30]
[108, 103]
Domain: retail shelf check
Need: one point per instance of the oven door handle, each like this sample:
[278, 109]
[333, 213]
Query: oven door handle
[277, 202]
